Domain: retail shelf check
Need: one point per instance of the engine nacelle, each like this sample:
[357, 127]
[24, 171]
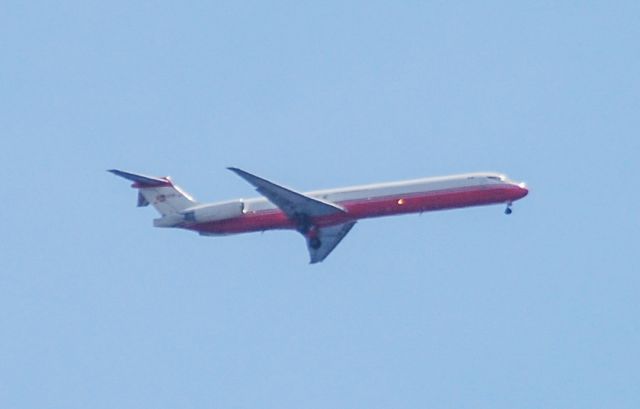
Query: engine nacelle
[213, 212]
[170, 220]
[203, 213]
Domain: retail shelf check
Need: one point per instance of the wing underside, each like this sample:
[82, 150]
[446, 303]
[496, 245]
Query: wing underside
[303, 209]
[289, 201]
[328, 238]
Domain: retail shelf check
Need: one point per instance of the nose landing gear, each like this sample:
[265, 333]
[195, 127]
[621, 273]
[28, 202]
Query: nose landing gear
[508, 210]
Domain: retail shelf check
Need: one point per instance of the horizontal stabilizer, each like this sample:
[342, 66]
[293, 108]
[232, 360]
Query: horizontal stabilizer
[141, 181]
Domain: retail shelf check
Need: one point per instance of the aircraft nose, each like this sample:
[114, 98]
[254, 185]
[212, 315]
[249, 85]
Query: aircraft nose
[524, 190]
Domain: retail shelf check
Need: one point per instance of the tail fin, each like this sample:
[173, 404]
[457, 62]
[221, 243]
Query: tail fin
[166, 197]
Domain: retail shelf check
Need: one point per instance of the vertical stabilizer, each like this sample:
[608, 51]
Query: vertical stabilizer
[166, 197]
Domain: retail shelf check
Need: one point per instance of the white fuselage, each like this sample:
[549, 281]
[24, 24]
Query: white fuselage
[362, 201]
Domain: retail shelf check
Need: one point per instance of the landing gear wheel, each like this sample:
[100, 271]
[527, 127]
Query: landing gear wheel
[315, 243]
[508, 209]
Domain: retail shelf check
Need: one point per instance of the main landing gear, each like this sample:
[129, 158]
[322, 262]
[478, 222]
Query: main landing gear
[508, 210]
[312, 236]
[309, 230]
[315, 243]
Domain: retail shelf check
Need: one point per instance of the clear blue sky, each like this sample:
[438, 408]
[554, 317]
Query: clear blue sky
[458, 309]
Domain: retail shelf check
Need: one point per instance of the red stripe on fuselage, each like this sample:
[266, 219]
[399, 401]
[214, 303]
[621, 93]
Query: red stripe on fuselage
[371, 207]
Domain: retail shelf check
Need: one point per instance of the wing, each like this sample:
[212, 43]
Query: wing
[301, 208]
[326, 240]
[292, 203]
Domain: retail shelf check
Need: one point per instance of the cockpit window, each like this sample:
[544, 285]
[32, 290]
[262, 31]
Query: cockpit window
[493, 177]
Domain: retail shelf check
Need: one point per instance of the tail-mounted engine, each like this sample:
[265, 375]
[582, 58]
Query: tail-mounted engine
[202, 214]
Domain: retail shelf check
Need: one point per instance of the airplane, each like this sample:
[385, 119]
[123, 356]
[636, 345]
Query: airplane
[323, 217]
